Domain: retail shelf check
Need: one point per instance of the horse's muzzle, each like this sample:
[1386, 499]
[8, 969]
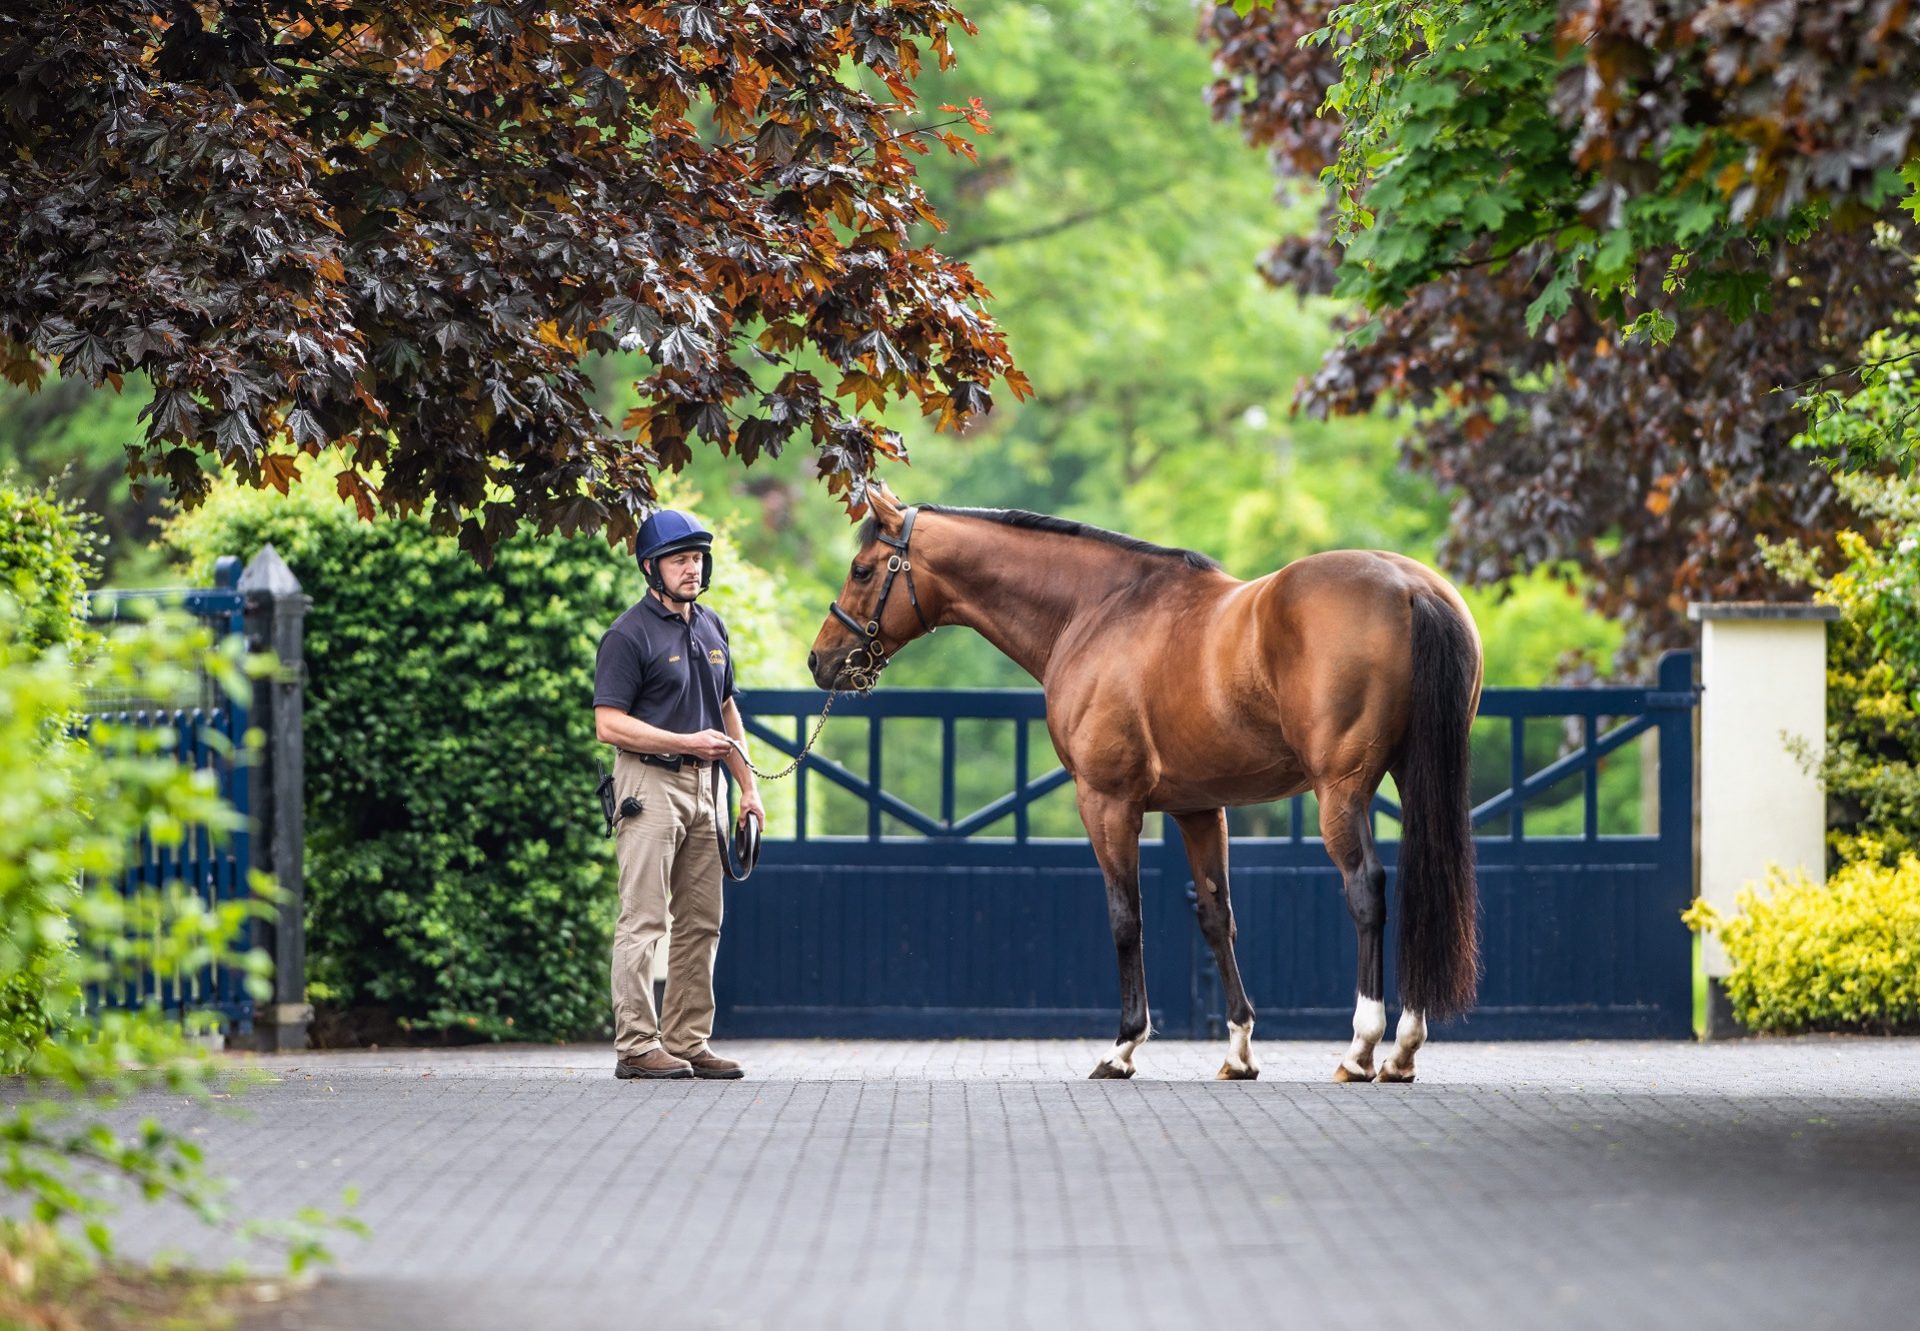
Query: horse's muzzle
[854, 670]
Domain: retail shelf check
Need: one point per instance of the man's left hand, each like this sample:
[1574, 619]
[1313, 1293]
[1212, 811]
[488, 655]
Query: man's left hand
[750, 804]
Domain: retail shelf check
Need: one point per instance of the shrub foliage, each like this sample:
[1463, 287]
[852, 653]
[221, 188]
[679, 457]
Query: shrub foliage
[48, 553]
[1843, 955]
[74, 803]
[1871, 768]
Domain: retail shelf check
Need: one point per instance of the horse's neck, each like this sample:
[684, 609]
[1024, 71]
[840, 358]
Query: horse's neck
[1021, 589]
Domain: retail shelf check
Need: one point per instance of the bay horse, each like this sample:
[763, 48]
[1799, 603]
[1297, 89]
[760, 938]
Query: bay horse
[1173, 686]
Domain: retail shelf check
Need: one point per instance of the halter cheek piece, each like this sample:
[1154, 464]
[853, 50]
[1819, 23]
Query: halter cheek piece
[867, 660]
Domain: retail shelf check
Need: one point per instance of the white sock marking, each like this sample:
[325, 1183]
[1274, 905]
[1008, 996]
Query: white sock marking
[1407, 1039]
[1121, 1055]
[1369, 1024]
[1240, 1047]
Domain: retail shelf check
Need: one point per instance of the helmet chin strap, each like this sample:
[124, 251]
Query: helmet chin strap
[652, 569]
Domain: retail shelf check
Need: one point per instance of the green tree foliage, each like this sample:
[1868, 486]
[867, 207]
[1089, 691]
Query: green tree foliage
[456, 874]
[1114, 222]
[398, 228]
[1709, 132]
[1879, 422]
[1519, 188]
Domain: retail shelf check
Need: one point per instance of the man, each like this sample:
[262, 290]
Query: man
[663, 695]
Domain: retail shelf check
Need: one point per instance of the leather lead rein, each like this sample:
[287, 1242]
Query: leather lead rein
[864, 677]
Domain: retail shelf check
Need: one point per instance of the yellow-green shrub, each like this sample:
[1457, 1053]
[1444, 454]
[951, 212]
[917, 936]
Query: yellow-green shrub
[1843, 955]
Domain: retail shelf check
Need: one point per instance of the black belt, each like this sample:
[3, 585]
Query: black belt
[673, 762]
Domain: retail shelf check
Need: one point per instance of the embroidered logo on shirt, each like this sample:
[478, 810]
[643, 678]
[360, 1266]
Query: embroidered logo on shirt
[672, 659]
[715, 655]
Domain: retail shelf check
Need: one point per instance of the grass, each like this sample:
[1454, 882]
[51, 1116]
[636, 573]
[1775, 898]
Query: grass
[48, 1284]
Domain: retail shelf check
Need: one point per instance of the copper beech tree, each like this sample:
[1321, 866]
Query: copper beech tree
[401, 228]
[1602, 251]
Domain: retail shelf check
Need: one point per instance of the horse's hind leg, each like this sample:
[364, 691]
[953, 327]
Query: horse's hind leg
[1114, 827]
[1348, 831]
[1205, 835]
[1407, 1039]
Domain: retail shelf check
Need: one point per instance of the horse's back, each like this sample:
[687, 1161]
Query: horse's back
[1341, 605]
[1229, 691]
[1334, 634]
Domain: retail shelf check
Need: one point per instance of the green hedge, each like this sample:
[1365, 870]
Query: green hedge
[1843, 955]
[456, 874]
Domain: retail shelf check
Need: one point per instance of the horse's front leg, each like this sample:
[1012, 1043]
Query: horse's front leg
[1205, 837]
[1114, 827]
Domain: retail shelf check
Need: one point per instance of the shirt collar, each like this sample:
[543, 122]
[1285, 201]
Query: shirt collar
[665, 611]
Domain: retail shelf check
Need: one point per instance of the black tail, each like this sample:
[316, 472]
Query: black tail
[1439, 929]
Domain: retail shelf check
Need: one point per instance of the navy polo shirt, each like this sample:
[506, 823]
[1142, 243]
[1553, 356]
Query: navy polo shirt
[647, 663]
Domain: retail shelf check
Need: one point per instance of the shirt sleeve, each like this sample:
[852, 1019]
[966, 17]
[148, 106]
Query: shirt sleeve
[616, 673]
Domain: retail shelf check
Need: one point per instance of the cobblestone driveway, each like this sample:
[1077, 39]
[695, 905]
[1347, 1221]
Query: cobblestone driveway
[981, 1185]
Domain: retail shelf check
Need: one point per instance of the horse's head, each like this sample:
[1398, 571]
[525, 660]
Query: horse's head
[879, 609]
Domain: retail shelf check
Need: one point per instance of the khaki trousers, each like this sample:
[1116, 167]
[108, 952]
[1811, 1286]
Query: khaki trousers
[669, 868]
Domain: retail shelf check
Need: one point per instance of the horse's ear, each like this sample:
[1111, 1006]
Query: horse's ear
[884, 506]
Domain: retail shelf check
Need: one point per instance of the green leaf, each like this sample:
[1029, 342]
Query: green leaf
[1910, 173]
[1555, 300]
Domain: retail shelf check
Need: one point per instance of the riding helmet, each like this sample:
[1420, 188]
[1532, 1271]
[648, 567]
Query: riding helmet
[668, 531]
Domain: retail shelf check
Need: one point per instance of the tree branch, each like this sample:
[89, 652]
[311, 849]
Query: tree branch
[1056, 226]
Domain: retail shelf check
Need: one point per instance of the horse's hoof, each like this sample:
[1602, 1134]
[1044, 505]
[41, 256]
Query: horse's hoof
[1104, 1070]
[1228, 1072]
[1344, 1074]
[1390, 1073]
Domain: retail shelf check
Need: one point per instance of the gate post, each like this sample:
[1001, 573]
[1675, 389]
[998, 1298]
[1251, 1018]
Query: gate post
[276, 610]
[1764, 680]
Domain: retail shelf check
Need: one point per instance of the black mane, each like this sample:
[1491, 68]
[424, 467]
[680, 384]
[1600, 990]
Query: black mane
[1017, 517]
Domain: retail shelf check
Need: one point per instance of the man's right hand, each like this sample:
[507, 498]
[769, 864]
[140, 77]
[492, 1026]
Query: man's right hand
[711, 745]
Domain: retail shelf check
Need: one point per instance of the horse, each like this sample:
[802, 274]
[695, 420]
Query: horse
[1173, 686]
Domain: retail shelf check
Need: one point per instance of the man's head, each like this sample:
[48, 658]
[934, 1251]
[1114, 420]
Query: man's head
[675, 554]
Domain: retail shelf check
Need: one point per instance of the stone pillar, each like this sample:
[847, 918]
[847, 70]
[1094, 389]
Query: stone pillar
[1763, 673]
[276, 612]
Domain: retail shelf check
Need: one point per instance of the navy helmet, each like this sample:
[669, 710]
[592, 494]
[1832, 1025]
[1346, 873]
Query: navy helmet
[668, 531]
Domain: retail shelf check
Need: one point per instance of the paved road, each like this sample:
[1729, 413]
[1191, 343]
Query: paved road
[981, 1185]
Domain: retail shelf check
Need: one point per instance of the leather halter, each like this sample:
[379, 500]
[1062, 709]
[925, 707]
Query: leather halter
[872, 660]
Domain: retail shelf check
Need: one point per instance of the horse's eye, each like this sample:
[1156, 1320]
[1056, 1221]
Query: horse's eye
[861, 572]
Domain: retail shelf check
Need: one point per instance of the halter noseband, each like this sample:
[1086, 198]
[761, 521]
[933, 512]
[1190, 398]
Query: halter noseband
[872, 660]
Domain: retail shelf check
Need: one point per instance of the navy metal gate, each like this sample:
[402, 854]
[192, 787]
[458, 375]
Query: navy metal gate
[209, 736]
[911, 899]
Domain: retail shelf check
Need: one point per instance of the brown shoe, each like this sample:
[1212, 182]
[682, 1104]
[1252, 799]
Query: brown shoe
[655, 1064]
[708, 1064]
